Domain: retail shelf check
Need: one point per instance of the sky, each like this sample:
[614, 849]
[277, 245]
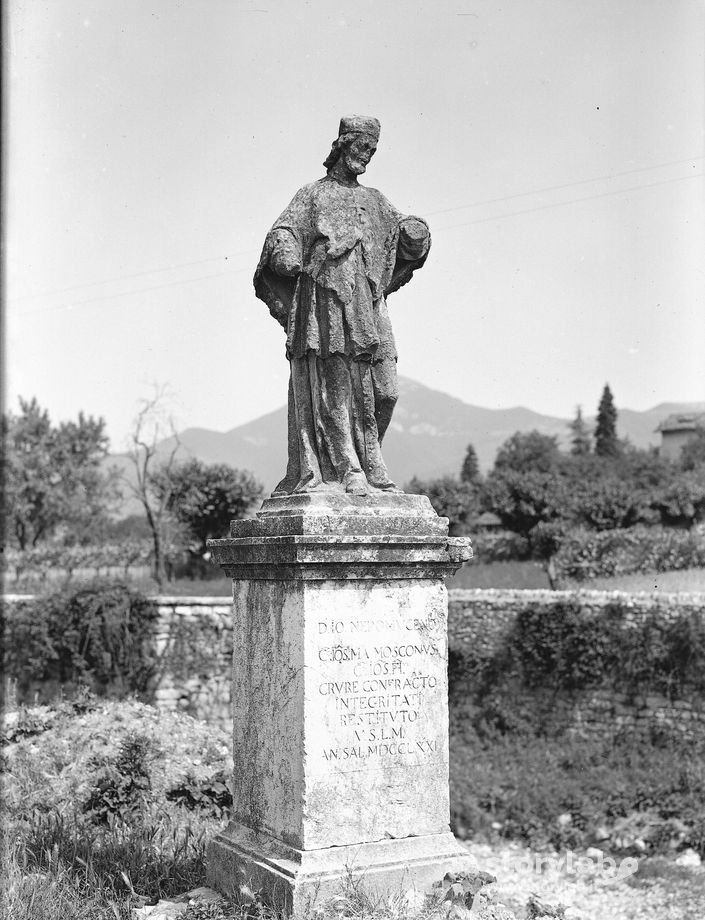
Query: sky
[554, 146]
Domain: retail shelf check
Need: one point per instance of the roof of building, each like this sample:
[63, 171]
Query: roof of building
[683, 421]
[489, 519]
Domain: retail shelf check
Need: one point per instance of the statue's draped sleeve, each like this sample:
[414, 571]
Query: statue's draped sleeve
[286, 239]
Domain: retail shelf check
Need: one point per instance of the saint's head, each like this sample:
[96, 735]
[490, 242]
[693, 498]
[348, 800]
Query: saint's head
[355, 145]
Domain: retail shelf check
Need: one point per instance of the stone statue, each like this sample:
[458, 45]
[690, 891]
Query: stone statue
[327, 266]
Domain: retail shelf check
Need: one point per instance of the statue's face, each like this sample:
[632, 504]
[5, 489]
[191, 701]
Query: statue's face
[358, 153]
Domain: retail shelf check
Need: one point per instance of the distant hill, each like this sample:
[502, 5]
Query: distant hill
[427, 438]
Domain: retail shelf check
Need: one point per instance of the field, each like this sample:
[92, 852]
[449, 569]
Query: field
[526, 575]
[529, 575]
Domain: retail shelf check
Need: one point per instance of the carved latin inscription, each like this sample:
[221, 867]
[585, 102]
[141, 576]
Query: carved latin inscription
[380, 682]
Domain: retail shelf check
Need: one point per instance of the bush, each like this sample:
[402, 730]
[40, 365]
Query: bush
[500, 546]
[98, 636]
[586, 554]
[566, 648]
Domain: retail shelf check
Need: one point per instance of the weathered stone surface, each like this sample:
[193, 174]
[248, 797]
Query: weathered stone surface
[340, 697]
[295, 880]
[328, 264]
[323, 536]
[341, 710]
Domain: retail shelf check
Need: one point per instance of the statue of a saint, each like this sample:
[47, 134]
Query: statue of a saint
[327, 266]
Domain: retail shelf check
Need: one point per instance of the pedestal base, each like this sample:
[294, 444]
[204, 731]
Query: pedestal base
[293, 880]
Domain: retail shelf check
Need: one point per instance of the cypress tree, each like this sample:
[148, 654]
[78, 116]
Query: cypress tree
[581, 443]
[470, 470]
[606, 444]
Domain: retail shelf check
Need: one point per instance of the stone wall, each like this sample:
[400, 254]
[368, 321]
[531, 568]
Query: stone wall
[479, 622]
[193, 642]
[193, 645]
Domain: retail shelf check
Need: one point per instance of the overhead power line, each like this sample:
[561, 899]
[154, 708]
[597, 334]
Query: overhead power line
[559, 204]
[149, 271]
[154, 287]
[557, 188]
[439, 229]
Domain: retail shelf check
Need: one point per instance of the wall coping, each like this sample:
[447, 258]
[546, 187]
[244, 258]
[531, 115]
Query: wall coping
[538, 594]
[528, 594]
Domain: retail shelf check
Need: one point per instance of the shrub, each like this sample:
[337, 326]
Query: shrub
[122, 785]
[98, 635]
[500, 546]
[567, 648]
[211, 795]
[585, 554]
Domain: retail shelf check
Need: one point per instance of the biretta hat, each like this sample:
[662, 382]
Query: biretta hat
[359, 124]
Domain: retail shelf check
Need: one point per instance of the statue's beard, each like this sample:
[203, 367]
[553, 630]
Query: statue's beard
[355, 166]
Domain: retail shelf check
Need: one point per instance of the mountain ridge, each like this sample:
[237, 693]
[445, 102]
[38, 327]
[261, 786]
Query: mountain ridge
[427, 438]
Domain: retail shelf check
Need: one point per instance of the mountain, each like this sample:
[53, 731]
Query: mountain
[427, 438]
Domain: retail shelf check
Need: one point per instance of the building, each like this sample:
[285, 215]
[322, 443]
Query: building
[677, 430]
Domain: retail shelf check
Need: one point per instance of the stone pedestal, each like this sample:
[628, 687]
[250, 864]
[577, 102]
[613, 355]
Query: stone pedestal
[339, 696]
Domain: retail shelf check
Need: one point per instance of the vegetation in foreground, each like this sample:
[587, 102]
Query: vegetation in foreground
[108, 806]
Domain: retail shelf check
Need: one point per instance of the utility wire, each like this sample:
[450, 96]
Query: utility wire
[150, 271]
[559, 204]
[556, 188]
[468, 223]
[155, 287]
[460, 207]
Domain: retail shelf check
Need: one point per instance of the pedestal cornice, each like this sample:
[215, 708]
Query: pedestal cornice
[318, 536]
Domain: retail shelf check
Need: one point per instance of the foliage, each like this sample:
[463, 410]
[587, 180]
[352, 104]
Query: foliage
[693, 452]
[470, 470]
[98, 634]
[53, 476]
[620, 794]
[586, 554]
[205, 498]
[606, 443]
[682, 501]
[514, 766]
[211, 795]
[528, 452]
[524, 499]
[122, 784]
[569, 649]
[580, 441]
[37, 566]
[452, 498]
[499, 546]
[608, 502]
[64, 863]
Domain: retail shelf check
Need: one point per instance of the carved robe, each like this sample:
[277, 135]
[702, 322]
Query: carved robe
[327, 265]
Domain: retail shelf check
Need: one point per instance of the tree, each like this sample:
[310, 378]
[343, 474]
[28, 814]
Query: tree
[54, 476]
[581, 443]
[693, 452]
[205, 498]
[526, 452]
[149, 429]
[470, 470]
[606, 443]
[608, 502]
[451, 498]
[524, 499]
[682, 502]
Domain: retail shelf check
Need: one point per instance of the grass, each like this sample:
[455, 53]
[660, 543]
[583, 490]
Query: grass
[91, 830]
[482, 575]
[691, 580]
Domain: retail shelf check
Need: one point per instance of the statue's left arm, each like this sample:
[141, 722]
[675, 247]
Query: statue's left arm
[413, 245]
